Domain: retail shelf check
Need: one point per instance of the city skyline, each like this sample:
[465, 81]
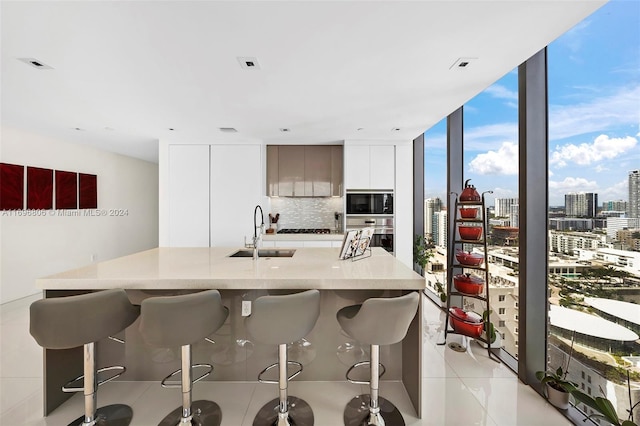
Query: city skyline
[594, 116]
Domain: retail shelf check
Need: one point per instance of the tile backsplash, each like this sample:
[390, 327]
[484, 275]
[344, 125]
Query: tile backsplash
[306, 212]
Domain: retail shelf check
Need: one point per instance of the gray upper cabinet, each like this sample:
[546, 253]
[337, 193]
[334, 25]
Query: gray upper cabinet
[337, 164]
[304, 170]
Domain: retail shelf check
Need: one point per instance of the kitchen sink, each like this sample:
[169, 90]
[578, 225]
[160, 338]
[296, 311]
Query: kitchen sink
[263, 253]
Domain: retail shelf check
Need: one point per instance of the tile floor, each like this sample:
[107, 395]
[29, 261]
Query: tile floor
[458, 388]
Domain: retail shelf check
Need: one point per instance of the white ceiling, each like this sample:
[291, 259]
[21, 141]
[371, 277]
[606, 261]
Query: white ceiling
[126, 71]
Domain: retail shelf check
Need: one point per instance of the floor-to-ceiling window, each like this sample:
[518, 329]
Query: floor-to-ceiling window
[594, 233]
[435, 206]
[491, 164]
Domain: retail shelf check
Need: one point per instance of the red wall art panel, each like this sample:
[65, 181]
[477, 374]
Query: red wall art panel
[39, 188]
[88, 191]
[66, 190]
[11, 187]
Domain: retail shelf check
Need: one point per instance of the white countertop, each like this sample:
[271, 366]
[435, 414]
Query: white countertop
[303, 237]
[195, 268]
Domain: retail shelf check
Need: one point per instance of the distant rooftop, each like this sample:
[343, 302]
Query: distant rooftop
[589, 325]
[623, 310]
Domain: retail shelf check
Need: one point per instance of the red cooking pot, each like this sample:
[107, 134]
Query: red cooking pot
[468, 284]
[472, 233]
[465, 323]
[469, 259]
[469, 192]
[468, 212]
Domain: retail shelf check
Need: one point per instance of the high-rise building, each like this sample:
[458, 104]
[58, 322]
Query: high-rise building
[440, 233]
[582, 204]
[514, 215]
[615, 206]
[502, 206]
[634, 194]
[431, 206]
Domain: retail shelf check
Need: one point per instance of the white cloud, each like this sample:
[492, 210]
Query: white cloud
[596, 115]
[504, 161]
[600, 168]
[618, 191]
[490, 136]
[570, 184]
[602, 148]
[501, 92]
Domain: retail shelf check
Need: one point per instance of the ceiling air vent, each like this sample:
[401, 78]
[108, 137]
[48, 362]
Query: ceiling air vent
[462, 63]
[35, 63]
[248, 63]
[227, 130]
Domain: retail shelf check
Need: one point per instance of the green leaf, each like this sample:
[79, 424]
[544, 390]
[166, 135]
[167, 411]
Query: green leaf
[628, 423]
[607, 409]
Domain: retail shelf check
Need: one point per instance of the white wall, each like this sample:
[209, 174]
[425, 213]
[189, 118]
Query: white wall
[32, 247]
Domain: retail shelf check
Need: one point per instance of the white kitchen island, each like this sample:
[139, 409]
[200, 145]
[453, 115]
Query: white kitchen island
[241, 280]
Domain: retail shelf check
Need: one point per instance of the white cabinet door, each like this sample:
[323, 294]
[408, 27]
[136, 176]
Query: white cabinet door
[369, 167]
[356, 167]
[189, 195]
[236, 187]
[382, 167]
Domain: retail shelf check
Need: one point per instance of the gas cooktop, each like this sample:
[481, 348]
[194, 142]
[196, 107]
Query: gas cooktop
[305, 231]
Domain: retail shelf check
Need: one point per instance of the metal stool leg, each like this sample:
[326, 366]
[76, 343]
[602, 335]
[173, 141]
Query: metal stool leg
[200, 413]
[372, 410]
[285, 410]
[117, 413]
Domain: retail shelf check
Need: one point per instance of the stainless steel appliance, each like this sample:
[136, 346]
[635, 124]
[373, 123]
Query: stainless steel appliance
[383, 229]
[305, 231]
[369, 202]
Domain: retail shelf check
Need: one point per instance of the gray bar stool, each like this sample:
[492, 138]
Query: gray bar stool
[169, 321]
[377, 321]
[278, 320]
[72, 321]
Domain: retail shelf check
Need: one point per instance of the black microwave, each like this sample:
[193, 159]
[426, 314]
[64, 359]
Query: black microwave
[369, 202]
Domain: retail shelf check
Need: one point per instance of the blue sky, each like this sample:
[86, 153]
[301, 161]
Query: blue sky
[594, 116]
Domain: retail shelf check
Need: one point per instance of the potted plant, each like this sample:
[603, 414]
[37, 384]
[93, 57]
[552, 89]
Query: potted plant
[558, 388]
[489, 330]
[421, 252]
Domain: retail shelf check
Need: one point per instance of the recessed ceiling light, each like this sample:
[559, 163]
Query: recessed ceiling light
[35, 63]
[227, 129]
[360, 128]
[248, 62]
[171, 129]
[395, 129]
[462, 63]
[284, 129]
[108, 129]
[78, 129]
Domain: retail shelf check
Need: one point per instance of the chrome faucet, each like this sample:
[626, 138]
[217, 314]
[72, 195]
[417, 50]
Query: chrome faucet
[257, 235]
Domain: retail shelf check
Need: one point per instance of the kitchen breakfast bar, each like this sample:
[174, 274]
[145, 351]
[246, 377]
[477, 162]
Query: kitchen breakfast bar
[326, 352]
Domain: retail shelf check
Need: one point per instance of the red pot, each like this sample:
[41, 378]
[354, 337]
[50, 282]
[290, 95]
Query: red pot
[462, 325]
[468, 284]
[468, 212]
[472, 233]
[469, 192]
[469, 259]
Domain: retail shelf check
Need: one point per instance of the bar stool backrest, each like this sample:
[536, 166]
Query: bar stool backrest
[171, 321]
[72, 321]
[382, 321]
[283, 319]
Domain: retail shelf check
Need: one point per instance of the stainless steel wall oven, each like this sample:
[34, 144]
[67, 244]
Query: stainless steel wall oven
[369, 202]
[383, 233]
